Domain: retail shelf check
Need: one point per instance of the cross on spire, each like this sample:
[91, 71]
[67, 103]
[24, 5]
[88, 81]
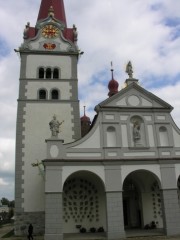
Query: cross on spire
[112, 70]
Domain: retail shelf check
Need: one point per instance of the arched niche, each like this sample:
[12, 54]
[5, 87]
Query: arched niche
[111, 137]
[163, 136]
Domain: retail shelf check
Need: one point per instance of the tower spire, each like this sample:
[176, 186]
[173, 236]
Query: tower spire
[58, 10]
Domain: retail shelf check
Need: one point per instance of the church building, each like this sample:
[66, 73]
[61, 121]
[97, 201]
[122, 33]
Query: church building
[118, 173]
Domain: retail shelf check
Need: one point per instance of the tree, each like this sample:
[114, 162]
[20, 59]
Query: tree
[5, 201]
[11, 204]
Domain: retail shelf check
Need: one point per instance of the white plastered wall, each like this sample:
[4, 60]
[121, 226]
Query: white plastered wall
[36, 61]
[176, 137]
[92, 142]
[36, 126]
[177, 170]
[58, 41]
[33, 87]
[154, 168]
[98, 170]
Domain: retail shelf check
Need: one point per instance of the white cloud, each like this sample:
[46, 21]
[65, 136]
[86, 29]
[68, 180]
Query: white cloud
[7, 155]
[3, 183]
[171, 95]
[109, 30]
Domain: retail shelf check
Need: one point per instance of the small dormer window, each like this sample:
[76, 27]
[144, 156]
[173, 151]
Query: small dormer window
[56, 73]
[55, 94]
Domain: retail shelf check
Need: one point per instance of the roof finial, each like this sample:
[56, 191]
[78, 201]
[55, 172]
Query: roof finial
[84, 110]
[129, 69]
[51, 11]
[112, 70]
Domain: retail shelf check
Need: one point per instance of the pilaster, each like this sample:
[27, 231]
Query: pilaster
[171, 209]
[53, 203]
[115, 221]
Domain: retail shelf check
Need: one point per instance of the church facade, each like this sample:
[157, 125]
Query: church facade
[123, 174]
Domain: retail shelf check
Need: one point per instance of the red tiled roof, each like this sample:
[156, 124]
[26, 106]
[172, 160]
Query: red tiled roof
[68, 34]
[31, 32]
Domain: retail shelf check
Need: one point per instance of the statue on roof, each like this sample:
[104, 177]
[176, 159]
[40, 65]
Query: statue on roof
[75, 33]
[25, 33]
[129, 69]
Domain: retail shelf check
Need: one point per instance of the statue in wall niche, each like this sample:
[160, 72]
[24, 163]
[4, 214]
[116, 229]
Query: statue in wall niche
[136, 131]
[54, 125]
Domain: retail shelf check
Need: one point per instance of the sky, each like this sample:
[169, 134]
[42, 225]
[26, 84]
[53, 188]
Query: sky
[147, 32]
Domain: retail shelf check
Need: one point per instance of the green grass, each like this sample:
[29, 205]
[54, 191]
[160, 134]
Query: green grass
[9, 234]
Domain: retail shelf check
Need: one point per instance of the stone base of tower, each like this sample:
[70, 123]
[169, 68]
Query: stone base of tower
[22, 221]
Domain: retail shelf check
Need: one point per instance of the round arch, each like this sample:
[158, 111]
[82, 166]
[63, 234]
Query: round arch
[84, 202]
[142, 200]
[155, 171]
[97, 171]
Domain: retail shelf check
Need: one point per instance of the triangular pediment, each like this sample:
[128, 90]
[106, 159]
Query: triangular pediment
[134, 96]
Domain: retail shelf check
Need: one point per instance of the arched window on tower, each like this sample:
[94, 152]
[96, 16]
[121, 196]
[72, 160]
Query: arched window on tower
[163, 136]
[111, 137]
[42, 94]
[48, 73]
[55, 73]
[54, 94]
[41, 72]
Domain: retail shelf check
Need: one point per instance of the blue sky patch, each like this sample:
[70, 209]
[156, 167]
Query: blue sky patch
[4, 48]
[156, 7]
[175, 34]
[172, 22]
[152, 81]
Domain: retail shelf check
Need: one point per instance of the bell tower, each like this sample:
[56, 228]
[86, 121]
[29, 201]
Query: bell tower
[48, 86]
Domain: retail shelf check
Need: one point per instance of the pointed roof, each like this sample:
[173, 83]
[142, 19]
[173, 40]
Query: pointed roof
[57, 6]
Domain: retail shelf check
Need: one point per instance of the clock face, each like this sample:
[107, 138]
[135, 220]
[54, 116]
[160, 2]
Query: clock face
[50, 31]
